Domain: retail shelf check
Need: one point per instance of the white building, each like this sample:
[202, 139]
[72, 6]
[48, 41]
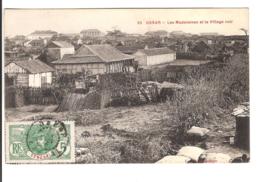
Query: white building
[41, 34]
[30, 73]
[90, 33]
[59, 48]
[154, 56]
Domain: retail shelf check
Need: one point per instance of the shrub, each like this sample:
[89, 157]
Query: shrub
[208, 91]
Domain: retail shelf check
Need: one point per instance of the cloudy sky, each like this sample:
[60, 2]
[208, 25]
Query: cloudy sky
[222, 21]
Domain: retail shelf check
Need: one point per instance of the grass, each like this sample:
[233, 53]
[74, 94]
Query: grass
[207, 101]
[145, 134]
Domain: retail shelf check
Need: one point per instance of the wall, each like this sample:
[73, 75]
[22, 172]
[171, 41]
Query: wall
[141, 58]
[59, 52]
[54, 53]
[95, 68]
[13, 68]
[20, 96]
[36, 80]
[18, 74]
[120, 66]
[159, 59]
[90, 34]
[69, 50]
[22, 80]
[114, 67]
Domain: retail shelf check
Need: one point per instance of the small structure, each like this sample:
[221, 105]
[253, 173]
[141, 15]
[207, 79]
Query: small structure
[95, 59]
[59, 48]
[242, 137]
[155, 56]
[30, 73]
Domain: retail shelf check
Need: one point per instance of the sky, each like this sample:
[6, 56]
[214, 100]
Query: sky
[222, 21]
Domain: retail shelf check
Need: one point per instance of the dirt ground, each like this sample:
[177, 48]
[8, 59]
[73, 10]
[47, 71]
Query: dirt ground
[127, 134]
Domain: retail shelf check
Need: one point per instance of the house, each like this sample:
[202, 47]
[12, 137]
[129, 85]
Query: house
[90, 33]
[11, 54]
[59, 48]
[35, 43]
[95, 59]
[29, 73]
[42, 34]
[154, 56]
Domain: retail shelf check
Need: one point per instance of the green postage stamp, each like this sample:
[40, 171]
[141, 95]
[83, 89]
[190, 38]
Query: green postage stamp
[40, 142]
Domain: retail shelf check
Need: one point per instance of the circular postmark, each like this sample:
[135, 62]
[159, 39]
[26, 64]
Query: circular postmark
[47, 139]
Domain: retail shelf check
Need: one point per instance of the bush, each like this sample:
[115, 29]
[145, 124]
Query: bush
[207, 92]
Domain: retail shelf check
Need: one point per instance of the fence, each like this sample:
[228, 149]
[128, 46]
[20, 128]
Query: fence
[189, 55]
[20, 96]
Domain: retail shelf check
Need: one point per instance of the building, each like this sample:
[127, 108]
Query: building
[95, 59]
[29, 73]
[209, 34]
[36, 43]
[158, 33]
[178, 33]
[154, 56]
[90, 33]
[19, 40]
[11, 54]
[57, 49]
[42, 34]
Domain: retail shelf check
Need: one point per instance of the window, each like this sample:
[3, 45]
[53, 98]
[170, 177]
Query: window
[43, 80]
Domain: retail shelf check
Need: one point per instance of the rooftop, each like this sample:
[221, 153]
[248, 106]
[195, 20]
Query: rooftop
[156, 51]
[79, 60]
[108, 53]
[62, 44]
[43, 32]
[34, 66]
[100, 53]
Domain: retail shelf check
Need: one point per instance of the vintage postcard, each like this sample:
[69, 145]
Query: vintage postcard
[126, 85]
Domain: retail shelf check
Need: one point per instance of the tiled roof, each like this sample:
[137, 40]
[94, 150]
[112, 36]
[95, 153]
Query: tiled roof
[79, 60]
[94, 54]
[34, 66]
[108, 53]
[130, 49]
[62, 44]
[156, 51]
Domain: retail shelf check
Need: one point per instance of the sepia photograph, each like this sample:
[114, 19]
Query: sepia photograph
[110, 86]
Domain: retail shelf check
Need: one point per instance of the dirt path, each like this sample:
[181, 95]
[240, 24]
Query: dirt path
[109, 131]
